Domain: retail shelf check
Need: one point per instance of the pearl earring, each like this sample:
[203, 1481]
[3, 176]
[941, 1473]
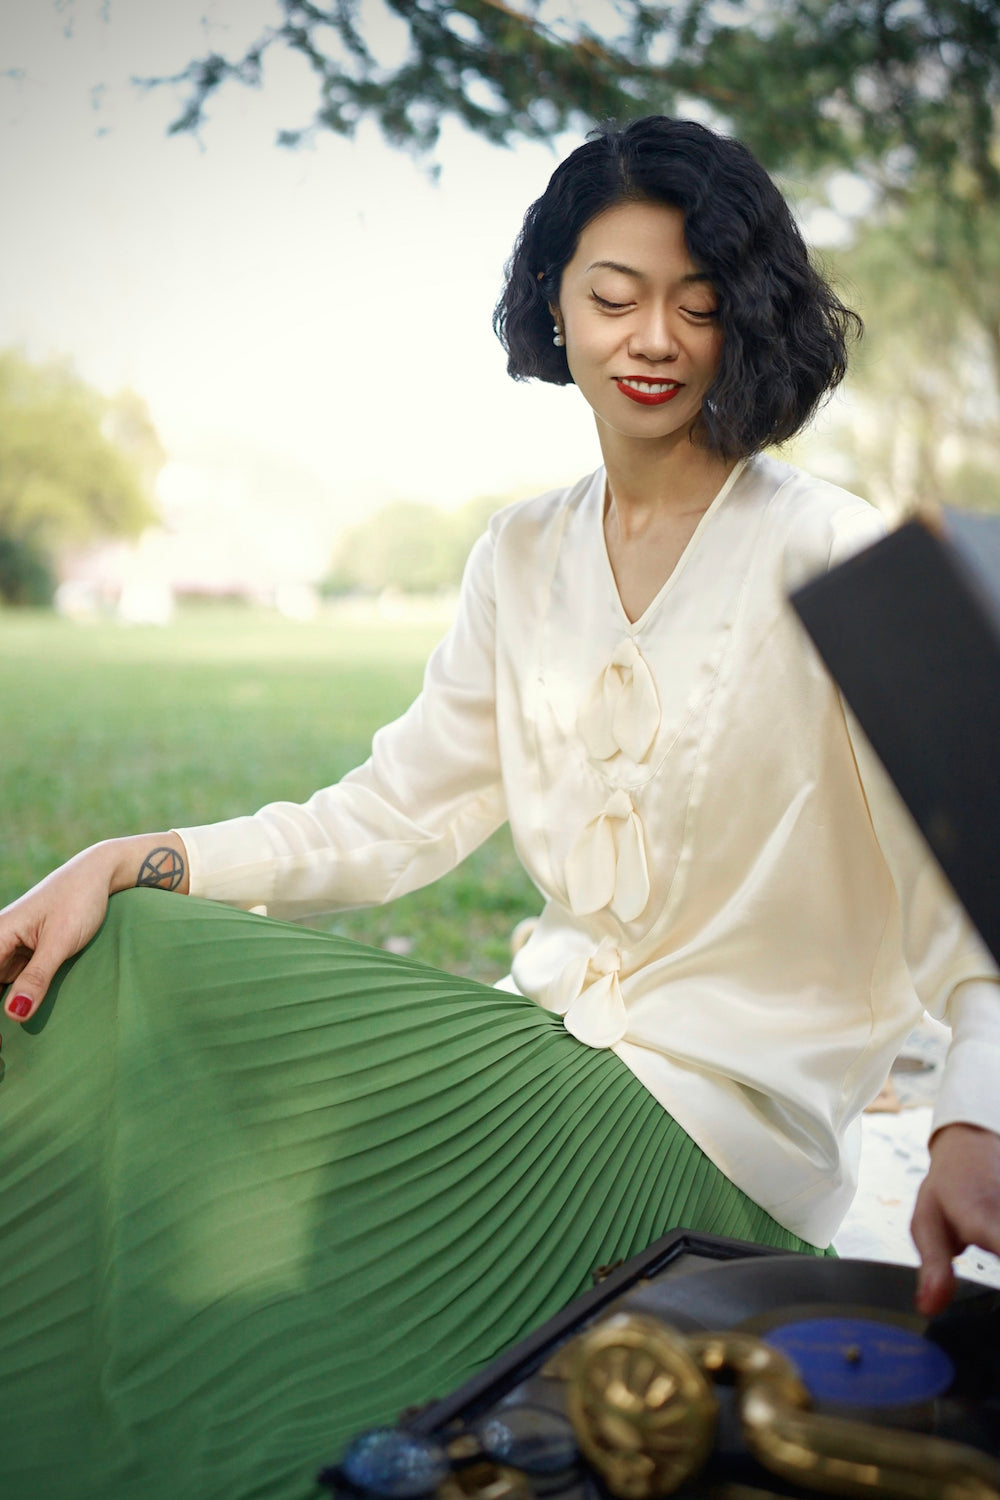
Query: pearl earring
[559, 338]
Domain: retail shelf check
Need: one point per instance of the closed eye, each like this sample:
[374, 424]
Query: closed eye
[703, 314]
[613, 306]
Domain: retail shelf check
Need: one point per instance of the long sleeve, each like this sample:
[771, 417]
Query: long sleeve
[428, 795]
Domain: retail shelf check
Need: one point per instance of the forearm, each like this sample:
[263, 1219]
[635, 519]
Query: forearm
[59, 916]
[151, 859]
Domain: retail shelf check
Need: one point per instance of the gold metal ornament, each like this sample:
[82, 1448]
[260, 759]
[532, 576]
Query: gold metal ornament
[643, 1412]
[484, 1480]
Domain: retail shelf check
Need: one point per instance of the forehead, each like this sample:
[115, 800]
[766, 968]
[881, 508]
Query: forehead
[647, 238]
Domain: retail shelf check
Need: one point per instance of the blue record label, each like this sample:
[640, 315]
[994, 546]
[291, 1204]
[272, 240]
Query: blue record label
[860, 1362]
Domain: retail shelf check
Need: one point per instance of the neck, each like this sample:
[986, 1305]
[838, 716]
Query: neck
[647, 480]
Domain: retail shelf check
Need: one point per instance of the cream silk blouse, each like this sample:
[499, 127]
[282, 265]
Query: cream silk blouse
[736, 902]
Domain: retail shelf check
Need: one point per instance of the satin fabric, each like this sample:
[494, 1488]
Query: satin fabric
[688, 787]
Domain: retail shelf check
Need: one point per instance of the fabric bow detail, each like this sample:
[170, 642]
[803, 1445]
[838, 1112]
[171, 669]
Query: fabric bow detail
[588, 996]
[606, 866]
[622, 711]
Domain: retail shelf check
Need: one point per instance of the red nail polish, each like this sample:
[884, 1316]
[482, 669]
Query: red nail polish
[19, 1006]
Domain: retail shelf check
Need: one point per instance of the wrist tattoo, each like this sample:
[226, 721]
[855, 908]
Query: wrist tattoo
[163, 868]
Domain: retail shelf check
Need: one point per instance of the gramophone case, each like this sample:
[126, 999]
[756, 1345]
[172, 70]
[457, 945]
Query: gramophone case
[910, 630]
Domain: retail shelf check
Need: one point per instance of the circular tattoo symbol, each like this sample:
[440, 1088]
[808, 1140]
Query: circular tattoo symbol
[164, 868]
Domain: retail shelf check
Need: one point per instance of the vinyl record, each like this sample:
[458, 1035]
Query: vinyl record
[782, 1288]
[794, 1294]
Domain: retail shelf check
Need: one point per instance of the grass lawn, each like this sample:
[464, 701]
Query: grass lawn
[108, 730]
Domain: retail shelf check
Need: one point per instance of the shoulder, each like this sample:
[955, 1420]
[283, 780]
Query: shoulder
[542, 515]
[522, 541]
[811, 523]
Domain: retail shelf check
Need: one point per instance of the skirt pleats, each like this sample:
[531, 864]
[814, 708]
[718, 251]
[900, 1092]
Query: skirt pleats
[261, 1187]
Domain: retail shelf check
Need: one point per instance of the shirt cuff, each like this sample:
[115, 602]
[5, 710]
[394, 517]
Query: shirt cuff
[970, 1087]
[230, 861]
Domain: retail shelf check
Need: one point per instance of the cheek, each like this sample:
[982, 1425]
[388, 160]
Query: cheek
[580, 354]
[587, 345]
[577, 368]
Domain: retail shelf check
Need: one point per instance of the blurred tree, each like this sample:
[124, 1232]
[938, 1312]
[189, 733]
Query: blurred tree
[905, 93]
[73, 466]
[26, 575]
[919, 420]
[130, 428]
[467, 524]
[417, 549]
[927, 427]
[889, 86]
[402, 546]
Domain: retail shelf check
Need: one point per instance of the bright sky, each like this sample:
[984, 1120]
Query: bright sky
[329, 305]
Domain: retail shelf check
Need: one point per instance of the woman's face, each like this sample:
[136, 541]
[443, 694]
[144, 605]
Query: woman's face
[643, 340]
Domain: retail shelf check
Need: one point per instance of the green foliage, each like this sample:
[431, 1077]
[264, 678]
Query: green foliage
[72, 463]
[903, 92]
[25, 574]
[897, 87]
[412, 548]
[502, 71]
[921, 424]
[131, 728]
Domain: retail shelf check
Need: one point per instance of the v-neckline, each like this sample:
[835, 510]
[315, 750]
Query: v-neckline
[635, 625]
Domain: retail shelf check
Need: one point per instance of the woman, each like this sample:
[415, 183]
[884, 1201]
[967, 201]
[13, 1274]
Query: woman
[268, 1187]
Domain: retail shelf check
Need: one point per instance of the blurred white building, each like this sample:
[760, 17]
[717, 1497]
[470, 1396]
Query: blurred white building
[235, 523]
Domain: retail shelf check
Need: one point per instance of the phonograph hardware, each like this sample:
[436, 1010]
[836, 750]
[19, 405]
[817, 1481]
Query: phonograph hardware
[711, 1369]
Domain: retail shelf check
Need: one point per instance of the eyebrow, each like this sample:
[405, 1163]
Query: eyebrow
[616, 265]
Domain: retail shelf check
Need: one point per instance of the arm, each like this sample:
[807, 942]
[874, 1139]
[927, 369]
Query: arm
[59, 916]
[959, 1202]
[430, 792]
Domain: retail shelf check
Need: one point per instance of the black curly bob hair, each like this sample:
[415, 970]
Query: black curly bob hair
[785, 332]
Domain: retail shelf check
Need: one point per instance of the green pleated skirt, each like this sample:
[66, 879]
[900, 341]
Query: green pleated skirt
[261, 1187]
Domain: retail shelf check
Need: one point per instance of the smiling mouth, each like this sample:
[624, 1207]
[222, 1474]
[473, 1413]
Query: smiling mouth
[648, 392]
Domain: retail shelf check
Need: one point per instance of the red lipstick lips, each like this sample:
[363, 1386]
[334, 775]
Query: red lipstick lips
[649, 398]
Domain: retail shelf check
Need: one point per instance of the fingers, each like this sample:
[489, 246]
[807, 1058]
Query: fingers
[958, 1205]
[936, 1247]
[50, 923]
[935, 1289]
[13, 963]
[28, 991]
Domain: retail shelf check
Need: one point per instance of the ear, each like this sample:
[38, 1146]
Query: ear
[555, 315]
[553, 308]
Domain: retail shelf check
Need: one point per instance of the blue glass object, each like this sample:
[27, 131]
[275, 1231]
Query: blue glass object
[394, 1464]
[861, 1362]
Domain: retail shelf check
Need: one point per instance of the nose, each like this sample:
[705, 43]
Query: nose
[653, 337]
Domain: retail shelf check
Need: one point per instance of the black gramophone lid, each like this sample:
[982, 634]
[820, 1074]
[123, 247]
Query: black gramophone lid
[730, 1295]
